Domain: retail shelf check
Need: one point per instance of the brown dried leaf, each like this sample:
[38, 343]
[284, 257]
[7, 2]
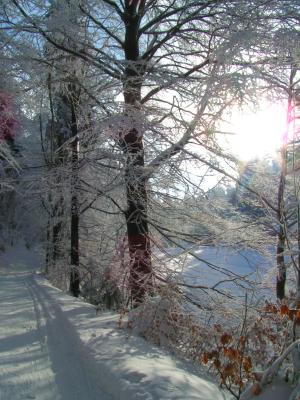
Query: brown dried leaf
[291, 314]
[231, 353]
[284, 310]
[242, 340]
[229, 371]
[297, 317]
[205, 358]
[225, 338]
[271, 308]
[256, 389]
[247, 364]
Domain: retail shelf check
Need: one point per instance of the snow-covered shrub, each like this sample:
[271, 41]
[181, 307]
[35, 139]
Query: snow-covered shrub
[236, 349]
[164, 321]
[230, 360]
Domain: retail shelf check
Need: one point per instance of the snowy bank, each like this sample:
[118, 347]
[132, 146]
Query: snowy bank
[55, 347]
[127, 367]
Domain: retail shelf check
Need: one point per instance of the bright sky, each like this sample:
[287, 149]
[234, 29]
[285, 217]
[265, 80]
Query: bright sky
[257, 134]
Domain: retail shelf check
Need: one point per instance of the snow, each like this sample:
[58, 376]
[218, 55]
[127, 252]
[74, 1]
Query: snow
[55, 347]
[226, 263]
[41, 355]
[278, 390]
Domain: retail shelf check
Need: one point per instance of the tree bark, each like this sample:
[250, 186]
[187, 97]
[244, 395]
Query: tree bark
[281, 236]
[136, 220]
[57, 229]
[48, 245]
[131, 141]
[57, 201]
[74, 275]
[281, 268]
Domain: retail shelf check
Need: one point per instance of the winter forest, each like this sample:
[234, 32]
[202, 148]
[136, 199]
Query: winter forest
[119, 174]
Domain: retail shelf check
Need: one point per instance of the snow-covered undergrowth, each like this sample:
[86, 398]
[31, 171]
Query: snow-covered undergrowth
[235, 351]
[236, 336]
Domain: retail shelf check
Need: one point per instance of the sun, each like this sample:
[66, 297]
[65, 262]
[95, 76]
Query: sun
[256, 134]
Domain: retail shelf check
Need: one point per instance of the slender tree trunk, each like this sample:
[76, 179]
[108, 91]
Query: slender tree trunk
[55, 223]
[281, 268]
[281, 236]
[296, 131]
[132, 145]
[74, 275]
[48, 245]
[57, 229]
[298, 242]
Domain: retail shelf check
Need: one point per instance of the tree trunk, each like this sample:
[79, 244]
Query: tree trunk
[281, 236]
[131, 142]
[57, 229]
[56, 200]
[48, 245]
[136, 220]
[74, 275]
[281, 268]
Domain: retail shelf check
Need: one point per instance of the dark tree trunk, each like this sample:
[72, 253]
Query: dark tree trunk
[57, 230]
[54, 238]
[132, 144]
[74, 275]
[48, 246]
[281, 237]
[281, 268]
[136, 219]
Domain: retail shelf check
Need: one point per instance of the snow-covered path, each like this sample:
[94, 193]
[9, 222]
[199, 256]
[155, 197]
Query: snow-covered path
[55, 347]
[41, 354]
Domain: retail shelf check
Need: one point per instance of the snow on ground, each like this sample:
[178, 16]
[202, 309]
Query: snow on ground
[242, 263]
[40, 354]
[55, 347]
[278, 390]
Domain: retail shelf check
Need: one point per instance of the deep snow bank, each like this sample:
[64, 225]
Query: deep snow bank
[127, 367]
[55, 347]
